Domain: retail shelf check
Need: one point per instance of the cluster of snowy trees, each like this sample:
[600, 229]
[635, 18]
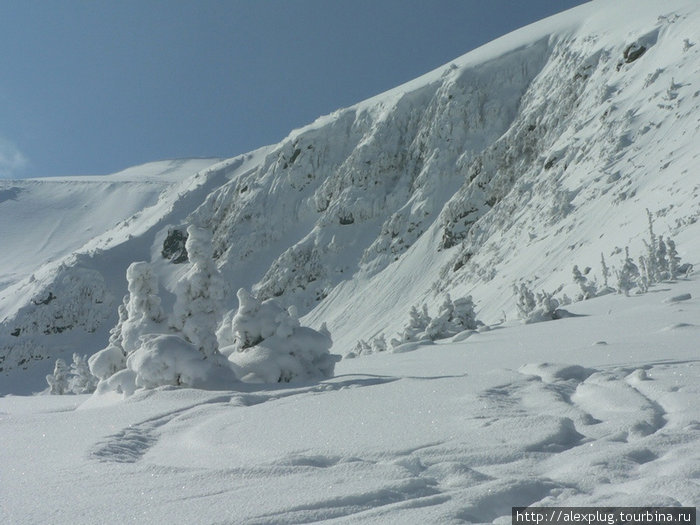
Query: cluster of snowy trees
[453, 317]
[197, 345]
[76, 379]
[535, 307]
[660, 262]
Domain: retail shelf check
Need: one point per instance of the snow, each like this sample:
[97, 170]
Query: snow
[519, 415]
[521, 164]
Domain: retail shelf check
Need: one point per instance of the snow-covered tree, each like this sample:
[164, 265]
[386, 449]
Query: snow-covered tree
[588, 288]
[144, 313]
[453, 317]
[139, 314]
[379, 343]
[362, 347]
[674, 261]
[81, 381]
[58, 381]
[439, 325]
[415, 329]
[270, 345]
[524, 300]
[645, 275]
[199, 294]
[628, 275]
[463, 315]
[535, 308]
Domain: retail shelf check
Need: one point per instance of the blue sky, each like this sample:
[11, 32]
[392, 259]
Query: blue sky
[94, 86]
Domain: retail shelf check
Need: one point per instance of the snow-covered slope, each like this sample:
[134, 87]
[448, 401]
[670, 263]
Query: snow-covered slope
[596, 410]
[538, 151]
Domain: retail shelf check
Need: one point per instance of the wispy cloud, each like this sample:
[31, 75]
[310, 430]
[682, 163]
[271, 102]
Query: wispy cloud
[12, 160]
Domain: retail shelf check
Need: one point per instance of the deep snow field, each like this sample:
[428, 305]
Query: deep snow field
[599, 409]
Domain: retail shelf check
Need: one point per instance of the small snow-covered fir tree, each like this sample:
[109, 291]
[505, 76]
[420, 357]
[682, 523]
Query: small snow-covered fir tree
[628, 275]
[464, 316]
[58, 381]
[379, 344]
[645, 275]
[81, 381]
[605, 270]
[144, 313]
[662, 264]
[199, 294]
[535, 308]
[139, 314]
[588, 288]
[362, 347]
[453, 317]
[674, 261]
[524, 300]
[439, 325]
[271, 346]
[415, 329]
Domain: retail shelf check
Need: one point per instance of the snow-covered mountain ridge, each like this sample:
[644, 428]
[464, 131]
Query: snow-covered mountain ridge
[516, 161]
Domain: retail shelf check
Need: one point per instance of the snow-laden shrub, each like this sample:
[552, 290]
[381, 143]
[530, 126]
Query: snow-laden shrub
[537, 307]
[379, 344]
[144, 352]
[199, 294]
[270, 345]
[107, 361]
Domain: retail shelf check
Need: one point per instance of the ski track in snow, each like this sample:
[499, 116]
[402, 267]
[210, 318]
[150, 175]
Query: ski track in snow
[131, 443]
[567, 411]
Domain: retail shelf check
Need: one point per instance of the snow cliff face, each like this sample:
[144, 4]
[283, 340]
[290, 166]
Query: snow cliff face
[536, 152]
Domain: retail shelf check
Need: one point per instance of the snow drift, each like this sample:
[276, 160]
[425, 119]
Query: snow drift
[511, 164]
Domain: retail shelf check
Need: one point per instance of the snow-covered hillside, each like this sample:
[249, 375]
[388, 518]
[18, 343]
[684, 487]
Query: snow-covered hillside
[534, 153]
[600, 409]
[538, 151]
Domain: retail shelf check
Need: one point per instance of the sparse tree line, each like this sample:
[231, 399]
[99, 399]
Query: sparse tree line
[453, 317]
[660, 262]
